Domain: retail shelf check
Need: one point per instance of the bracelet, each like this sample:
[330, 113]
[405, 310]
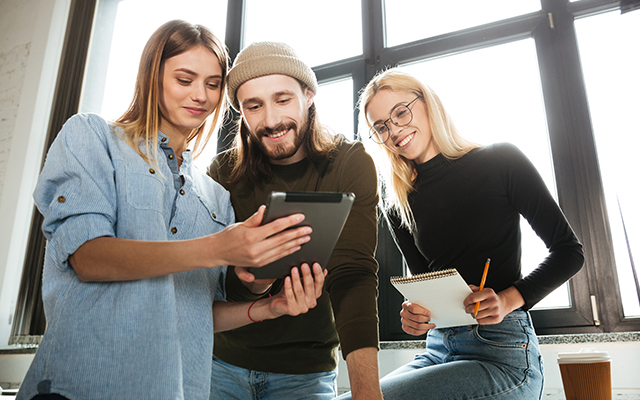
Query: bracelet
[249, 312]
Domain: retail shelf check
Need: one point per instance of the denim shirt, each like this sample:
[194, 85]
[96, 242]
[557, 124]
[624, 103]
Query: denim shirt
[143, 339]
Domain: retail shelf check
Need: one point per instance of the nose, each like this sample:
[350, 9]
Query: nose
[271, 117]
[394, 130]
[199, 94]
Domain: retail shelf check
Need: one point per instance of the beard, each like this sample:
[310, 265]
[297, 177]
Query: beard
[283, 150]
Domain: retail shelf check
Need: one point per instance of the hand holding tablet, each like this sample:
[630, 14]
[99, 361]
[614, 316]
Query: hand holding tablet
[326, 213]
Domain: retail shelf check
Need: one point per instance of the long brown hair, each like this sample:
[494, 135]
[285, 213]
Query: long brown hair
[249, 162]
[398, 172]
[142, 120]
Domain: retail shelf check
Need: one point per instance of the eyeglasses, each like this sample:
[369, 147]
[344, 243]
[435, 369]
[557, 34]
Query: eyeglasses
[400, 115]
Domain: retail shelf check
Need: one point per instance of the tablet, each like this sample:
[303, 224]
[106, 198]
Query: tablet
[326, 213]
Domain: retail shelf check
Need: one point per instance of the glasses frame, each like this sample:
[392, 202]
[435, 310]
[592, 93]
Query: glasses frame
[375, 135]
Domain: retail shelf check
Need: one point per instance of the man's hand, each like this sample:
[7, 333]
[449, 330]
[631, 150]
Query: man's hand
[255, 286]
[298, 297]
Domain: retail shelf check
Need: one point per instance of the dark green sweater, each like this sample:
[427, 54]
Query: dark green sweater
[307, 343]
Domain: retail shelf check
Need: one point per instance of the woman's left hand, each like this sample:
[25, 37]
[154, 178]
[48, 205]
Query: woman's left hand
[493, 306]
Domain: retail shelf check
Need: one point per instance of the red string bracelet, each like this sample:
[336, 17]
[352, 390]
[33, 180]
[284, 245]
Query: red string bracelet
[249, 311]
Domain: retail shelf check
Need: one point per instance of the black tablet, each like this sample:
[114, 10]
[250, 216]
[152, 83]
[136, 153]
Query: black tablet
[326, 213]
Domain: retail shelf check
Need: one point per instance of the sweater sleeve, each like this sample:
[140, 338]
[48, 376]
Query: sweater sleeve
[352, 281]
[404, 240]
[532, 199]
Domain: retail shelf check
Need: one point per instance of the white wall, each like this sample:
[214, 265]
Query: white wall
[31, 35]
[625, 367]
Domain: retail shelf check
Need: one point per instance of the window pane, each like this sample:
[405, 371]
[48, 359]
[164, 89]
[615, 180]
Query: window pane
[610, 67]
[117, 44]
[494, 95]
[109, 92]
[321, 33]
[409, 20]
[334, 103]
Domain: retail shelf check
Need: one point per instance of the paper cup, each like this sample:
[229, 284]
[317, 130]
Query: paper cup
[586, 375]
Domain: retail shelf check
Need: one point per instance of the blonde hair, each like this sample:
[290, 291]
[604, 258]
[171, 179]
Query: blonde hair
[398, 172]
[141, 121]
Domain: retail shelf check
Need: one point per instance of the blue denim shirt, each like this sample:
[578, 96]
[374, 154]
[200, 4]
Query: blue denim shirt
[143, 339]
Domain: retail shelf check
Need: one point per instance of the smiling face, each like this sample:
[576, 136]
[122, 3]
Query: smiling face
[189, 90]
[275, 108]
[413, 141]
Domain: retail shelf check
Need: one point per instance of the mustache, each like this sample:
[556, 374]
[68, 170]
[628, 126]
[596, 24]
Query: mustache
[264, 131]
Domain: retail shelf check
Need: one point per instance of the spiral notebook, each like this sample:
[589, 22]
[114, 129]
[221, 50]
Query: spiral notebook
[442, 292]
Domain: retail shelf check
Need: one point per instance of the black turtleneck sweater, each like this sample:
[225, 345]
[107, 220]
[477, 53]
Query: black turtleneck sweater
[468, 210]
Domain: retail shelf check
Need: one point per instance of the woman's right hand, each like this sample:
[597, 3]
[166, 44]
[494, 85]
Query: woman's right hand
[248, 244]
[415, 319]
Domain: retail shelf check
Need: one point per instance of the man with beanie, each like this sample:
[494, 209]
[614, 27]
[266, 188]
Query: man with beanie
[281, 146]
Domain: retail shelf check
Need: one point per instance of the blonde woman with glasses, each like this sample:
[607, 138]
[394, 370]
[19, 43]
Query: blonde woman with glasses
[453, 204]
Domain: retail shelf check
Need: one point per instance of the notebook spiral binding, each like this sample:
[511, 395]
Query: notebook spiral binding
[425, 277]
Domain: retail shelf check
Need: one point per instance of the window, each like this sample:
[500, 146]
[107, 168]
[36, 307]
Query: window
[525, 63]
[559, 91]
[334, 102]
[612, 84]
[409, 20]
[320, 34]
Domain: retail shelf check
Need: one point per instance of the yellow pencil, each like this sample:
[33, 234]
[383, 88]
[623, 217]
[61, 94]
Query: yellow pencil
[484, 279]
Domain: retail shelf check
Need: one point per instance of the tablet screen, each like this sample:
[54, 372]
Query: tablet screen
[326, 213]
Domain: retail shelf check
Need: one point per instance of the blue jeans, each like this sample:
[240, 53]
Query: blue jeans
[500, 361]
[230, 382]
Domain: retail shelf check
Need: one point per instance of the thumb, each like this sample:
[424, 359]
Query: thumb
[256, 219]
[474, 288]
[244, 274]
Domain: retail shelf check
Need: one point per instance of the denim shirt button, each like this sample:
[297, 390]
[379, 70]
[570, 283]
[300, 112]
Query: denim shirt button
[213, 215]
[164, 139]
[61, 199]
[151, 170]
[170, 156]
[174, 230]
[182, 192]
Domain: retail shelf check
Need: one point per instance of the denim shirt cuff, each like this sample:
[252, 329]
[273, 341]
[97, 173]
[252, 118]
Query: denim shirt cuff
[73, 233]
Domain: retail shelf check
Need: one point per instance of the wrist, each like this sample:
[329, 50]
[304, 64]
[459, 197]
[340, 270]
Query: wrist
[212, 251]
[260, 310]
[512, 298]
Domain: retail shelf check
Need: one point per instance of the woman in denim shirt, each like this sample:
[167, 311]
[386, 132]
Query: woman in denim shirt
[134, 232]
[453, 204]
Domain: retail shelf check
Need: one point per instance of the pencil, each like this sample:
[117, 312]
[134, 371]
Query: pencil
[484, 279]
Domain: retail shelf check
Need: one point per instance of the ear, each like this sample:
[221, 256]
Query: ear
[310, 96]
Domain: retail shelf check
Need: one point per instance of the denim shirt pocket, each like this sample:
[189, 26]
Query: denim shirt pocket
[214, 213]
[145, 188]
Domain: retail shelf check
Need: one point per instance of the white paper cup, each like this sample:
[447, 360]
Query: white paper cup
[586, 375]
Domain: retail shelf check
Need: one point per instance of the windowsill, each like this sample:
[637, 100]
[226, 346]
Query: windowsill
[18, 350]
[616, 337]
[543, 339]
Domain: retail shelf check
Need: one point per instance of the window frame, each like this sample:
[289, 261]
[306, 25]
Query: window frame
[579, 184]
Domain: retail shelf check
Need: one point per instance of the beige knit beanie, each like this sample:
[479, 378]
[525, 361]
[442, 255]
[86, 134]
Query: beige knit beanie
[267, 58]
